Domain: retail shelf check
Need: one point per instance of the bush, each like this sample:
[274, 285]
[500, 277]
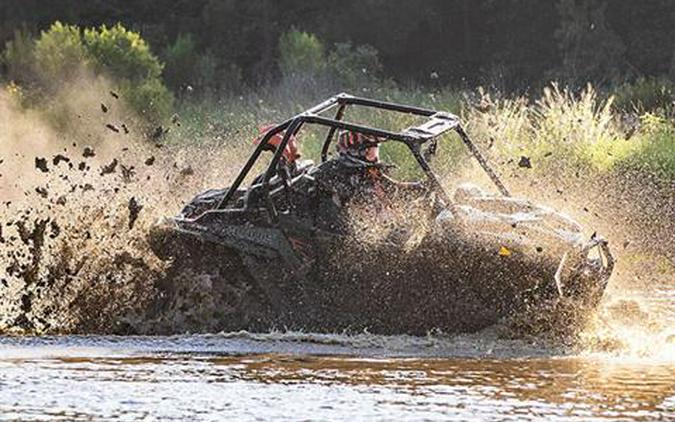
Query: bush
[19, 57]
[59, 53]
[646, 94]
[580, 129]
[180, 58]
[300, 53]
[355, 67]
[125, 57]
[559, 132]
[187, 69]
[654, 149]
[122, 54]
[303, 62]
[563, 133]
[502, 124]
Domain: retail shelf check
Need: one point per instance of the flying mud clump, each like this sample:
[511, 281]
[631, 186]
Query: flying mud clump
[71, 259]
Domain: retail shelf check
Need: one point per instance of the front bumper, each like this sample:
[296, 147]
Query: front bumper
[586, 272]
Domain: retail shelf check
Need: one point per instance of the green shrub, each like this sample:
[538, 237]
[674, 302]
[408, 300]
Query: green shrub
[187, 69]
[305, 64]
[581, 128]
[19, 57]
[355, 67]
[180, 58]
[126, 58]
[59, 53]
[300, 53]
[654, 147]
[646, 94]
[502, 123]
[559, 132]
[122, 54]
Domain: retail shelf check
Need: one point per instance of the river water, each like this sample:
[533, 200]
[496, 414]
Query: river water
[299, 376]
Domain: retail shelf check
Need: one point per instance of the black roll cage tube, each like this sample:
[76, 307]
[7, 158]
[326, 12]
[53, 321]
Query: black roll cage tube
[413, 138]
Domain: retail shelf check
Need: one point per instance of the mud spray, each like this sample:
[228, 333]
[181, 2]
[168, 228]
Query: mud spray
[635, 212]
[81, 183]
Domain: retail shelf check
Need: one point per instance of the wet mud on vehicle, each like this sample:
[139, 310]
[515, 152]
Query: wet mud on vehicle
[280, 254]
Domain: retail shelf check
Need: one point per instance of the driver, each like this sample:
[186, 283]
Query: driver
[357, 175]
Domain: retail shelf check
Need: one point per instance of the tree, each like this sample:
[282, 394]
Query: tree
[590, 49]
[300, 53]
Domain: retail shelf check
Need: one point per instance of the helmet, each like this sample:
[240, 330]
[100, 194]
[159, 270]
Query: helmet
[359, 145]
[290, 153]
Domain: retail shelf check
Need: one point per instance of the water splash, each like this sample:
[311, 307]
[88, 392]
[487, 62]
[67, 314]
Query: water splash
[625, 329]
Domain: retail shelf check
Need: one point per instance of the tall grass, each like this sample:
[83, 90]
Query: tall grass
[654, 147]
[560, 131]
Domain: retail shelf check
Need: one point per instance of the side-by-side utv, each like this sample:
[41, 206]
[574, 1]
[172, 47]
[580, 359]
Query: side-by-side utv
[280, 252]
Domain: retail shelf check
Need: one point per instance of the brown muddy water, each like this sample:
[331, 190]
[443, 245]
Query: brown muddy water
[298, 376]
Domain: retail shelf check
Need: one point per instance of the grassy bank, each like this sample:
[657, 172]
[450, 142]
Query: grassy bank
[560, 132]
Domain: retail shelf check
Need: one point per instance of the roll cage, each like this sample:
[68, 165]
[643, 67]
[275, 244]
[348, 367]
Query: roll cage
[438, 123]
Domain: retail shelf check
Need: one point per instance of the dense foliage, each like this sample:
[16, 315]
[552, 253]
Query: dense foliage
[259, 56]
[63, 52]
[511, 44]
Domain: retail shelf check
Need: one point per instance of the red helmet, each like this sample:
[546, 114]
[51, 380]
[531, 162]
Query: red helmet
[359, 145]
[290, 153]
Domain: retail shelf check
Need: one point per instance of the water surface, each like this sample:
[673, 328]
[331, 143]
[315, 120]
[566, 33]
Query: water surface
[296, 376]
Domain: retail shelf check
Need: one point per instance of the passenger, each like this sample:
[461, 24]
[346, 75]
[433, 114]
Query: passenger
[356, 179]
[358, 148]
[356, 176]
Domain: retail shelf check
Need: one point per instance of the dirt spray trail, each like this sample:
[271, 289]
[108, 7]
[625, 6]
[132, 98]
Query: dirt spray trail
[76, 202]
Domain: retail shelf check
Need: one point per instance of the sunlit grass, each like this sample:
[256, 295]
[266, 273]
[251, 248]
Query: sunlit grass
[654, 148]
[560, 131]
[563, 131]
